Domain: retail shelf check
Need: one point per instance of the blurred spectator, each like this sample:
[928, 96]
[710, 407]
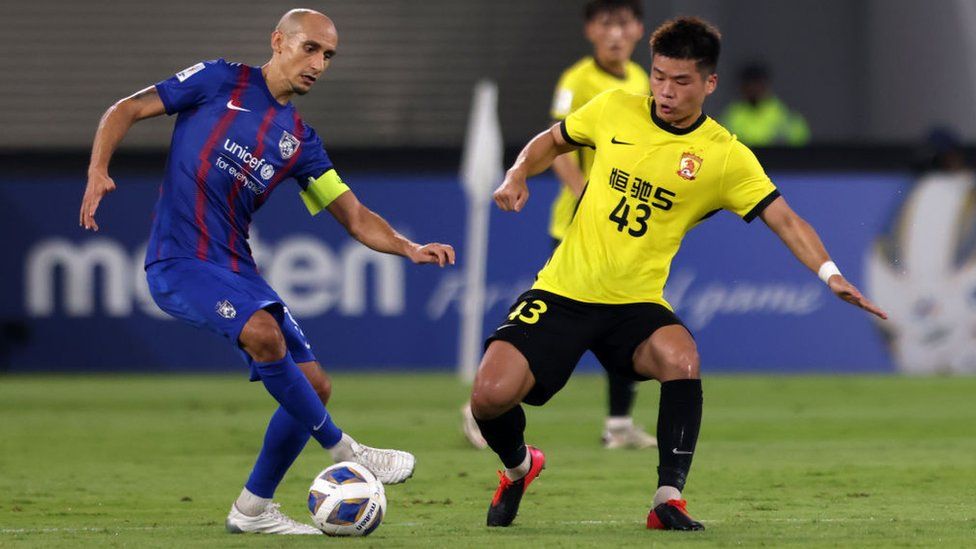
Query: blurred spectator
[759, 118]
[942, 151]
[923, 265]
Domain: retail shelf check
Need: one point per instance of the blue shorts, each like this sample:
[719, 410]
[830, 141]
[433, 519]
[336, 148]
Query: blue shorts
[213, 297]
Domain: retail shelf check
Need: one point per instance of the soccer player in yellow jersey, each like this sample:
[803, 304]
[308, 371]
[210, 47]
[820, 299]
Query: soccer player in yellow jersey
[661, 167]
[614, 28]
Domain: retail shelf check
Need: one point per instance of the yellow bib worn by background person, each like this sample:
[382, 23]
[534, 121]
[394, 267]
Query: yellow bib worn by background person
[649, 184]
[766, 123]
[576, 87]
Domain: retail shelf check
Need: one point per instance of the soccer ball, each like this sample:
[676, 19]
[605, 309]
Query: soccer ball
[346, 500]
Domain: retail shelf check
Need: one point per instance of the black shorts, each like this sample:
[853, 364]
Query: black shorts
[553, 332]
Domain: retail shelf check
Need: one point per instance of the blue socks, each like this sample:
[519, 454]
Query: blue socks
[283, 441]
[287, 384]
[300, 415]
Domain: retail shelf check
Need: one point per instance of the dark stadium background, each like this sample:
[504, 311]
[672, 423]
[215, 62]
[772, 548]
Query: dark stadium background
[872, 78]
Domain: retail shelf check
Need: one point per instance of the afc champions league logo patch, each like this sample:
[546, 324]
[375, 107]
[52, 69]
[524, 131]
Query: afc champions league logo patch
[288, 145]
[689, 165]
[226, 310]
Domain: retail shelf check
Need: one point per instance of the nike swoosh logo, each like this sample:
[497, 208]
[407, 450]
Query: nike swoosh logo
[680, 452]
[507, 326]
[319, 426]
[233, 107]
[615, 142]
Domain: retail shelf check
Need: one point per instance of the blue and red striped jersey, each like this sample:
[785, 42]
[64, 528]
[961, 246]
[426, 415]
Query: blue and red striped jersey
[232, 145]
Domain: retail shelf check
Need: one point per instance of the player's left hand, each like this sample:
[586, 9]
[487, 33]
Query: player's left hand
[849, 293]
[442, 254]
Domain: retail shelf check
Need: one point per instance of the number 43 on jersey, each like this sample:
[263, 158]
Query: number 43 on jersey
[642, 212]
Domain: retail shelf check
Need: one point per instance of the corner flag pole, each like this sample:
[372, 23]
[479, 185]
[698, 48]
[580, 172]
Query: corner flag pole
[481, 172]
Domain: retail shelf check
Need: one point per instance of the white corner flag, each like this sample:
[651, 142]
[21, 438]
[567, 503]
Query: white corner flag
[481, 172]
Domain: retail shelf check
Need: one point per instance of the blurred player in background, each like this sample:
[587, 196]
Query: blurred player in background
[614, 28]
[237, 137]
[661, 166]
[759, 118]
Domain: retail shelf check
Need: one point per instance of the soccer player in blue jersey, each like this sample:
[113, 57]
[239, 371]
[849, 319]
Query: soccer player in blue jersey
[237, 137]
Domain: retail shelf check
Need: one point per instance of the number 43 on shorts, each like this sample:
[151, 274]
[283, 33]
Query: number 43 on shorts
[531, 313]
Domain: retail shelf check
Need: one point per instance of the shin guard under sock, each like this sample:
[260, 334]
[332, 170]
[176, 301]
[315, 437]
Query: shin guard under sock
[678, 421]
[288, 385]
[504, 434]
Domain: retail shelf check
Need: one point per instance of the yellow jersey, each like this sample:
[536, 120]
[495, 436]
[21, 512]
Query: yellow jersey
[650, 183]
[576, 87]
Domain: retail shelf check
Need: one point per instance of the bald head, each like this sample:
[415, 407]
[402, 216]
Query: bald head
[299, 19]
[302, 45]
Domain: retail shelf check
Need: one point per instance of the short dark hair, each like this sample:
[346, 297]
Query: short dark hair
[689, 38]
[596, 7]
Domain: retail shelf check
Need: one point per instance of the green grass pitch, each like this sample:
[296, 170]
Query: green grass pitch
[782, 462]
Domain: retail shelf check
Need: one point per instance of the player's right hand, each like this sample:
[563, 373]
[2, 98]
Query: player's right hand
[435, 252]
[512, 194]
[99, 185]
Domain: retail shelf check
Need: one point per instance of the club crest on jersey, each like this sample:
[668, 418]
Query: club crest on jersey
[689, 165]
[226, 310]
[288, 145]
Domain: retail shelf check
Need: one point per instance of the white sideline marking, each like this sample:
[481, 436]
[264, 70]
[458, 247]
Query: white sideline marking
[106, 529]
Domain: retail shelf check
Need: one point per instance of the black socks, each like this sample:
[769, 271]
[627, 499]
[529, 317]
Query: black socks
[504, 435]
[621, 391]
[678, 421]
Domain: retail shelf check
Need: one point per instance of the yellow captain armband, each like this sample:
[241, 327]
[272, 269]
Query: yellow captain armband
[322, 191]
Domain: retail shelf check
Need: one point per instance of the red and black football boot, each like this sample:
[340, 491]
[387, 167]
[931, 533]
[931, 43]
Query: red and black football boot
[504, 506]
[672, 515]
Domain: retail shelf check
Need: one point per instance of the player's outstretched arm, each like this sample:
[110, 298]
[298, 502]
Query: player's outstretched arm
[374, 232]
[535, 158]
[806, 245]
[115, 123]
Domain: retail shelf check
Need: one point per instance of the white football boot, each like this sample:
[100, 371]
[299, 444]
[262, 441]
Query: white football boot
[271, 521]
[470, 428]
[620, 433]
[389, 466]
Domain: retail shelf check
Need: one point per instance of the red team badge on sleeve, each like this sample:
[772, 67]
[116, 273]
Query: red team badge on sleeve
[689, 165]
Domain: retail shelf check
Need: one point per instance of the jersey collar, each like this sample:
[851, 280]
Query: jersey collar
[603, 69]
[671, 129]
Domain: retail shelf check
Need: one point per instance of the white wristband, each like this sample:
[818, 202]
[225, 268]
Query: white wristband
[827, 270]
